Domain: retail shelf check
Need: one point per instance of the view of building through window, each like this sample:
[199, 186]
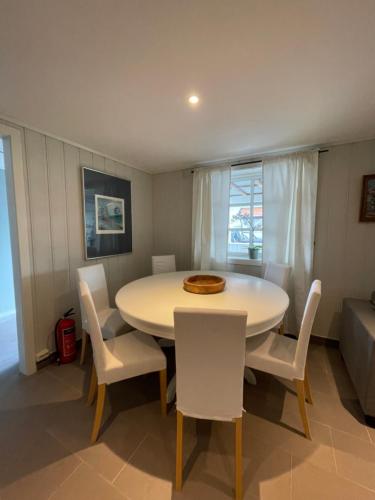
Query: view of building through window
[245, 232]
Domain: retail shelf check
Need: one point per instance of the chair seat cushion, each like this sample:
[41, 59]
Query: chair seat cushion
[111, 323]
[130, 355]
[272, 353]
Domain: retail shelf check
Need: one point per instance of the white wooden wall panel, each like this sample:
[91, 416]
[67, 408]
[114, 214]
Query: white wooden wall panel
[73, 213]
[53, 172]
[41, 238]
[344, 250]
[59, 229]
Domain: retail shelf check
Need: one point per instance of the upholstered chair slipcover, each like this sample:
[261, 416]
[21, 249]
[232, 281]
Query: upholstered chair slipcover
[119, 358]
[286, 357]
[110, 320]
[278, 274]
[210, 362]
[163, 264]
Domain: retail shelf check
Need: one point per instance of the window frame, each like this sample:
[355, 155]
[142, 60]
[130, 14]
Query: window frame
[237, 258]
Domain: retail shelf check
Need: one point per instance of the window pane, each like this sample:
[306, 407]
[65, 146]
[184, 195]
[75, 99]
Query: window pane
[237, 236]
[245, 211]
[239, 217]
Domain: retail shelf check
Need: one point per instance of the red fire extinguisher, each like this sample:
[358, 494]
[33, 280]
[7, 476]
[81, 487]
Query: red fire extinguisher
[65, 337]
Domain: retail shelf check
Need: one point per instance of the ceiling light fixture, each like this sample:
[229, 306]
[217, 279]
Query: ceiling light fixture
[193, 99]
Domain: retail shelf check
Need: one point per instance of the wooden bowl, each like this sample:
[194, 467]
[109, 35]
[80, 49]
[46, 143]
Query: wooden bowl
[204, 284]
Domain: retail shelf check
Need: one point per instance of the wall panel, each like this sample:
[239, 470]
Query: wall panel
[41, 238]
[53, 170]
[59, 225]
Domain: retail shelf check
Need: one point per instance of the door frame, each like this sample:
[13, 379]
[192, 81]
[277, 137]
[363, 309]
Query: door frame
[20, 233]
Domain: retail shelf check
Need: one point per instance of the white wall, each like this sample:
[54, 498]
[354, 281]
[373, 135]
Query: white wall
[344, 248]
[172, 210]
[53, 170]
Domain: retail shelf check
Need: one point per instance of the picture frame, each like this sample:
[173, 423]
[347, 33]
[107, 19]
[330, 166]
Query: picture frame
[367, 211]
[107, 216]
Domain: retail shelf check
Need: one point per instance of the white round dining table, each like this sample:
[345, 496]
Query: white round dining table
[148, 303]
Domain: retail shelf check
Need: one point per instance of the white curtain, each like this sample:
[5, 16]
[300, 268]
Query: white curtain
[290, 187]
[210, 217]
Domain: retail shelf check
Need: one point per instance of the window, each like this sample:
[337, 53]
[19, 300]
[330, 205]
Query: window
[246, 213]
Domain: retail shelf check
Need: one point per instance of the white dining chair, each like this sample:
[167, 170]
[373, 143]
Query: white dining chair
[163, 264]
[210, 361]
[278, 274]
[119, 358]
[286, 357]
[110, 320]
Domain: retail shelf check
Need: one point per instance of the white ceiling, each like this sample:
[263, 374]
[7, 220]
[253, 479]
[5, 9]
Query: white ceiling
[114, 74]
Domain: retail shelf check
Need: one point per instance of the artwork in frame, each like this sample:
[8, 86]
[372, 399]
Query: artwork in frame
[367, 213]
[107, 214]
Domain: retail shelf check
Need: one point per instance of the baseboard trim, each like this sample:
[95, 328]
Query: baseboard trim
[315, 339]
[53, 357]
[370, 421]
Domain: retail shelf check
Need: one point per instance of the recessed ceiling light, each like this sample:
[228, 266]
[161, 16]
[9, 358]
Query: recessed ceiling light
[193, 99]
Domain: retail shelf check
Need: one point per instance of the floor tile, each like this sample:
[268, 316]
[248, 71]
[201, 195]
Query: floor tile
[86, 484]
[149, 474]
[38, 470]
[287, 434]
[355, 459]
[312, 483]
[72, 374]
[45, 429]
[344, 415]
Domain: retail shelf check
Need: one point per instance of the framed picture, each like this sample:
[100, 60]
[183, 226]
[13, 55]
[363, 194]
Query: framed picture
[109, 215]
[106, 213]
[367, 213]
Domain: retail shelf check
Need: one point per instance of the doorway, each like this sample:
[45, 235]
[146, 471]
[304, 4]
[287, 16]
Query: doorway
[8, 324]
[19, 328]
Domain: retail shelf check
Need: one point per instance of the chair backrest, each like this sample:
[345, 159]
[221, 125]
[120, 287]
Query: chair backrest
[94, 276]
[311, 307]
[97, 342]
[163, 264]
[210, 361]
[278, 274]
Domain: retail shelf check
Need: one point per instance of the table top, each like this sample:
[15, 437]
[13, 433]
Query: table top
[148, 303]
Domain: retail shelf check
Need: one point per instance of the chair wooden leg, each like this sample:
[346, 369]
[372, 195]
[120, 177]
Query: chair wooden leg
[282, 329]
[83, 347]
[93, 385]
[300, 385]
[163, 391]
[179, 444]
[238, 423]
[98, 413]
[307, 389]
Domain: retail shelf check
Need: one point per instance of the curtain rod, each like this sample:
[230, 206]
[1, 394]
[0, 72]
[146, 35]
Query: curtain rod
[252, 162]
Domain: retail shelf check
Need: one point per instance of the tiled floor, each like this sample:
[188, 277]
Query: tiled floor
[45, 451]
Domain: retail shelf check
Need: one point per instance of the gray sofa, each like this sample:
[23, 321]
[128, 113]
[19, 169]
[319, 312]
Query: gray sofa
[357, 346]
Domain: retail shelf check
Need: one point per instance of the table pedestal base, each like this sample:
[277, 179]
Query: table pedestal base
[250, 376]
[171, 389]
